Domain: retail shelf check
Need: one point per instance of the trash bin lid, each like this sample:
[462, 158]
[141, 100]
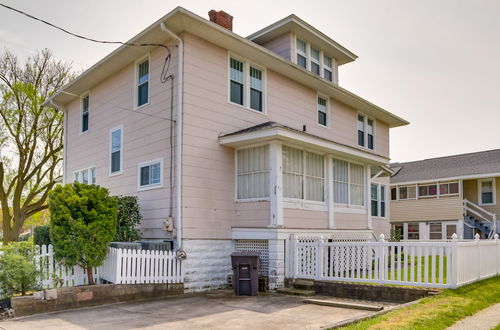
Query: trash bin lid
[245, 254]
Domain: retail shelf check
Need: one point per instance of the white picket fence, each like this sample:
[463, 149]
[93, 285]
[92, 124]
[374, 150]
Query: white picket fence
[141, 266]
[121, 266]
[441, 264]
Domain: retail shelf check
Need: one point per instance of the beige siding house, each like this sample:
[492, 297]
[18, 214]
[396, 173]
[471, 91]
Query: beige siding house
[231, 143]
[434, 198]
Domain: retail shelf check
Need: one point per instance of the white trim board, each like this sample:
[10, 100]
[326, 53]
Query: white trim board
[463, 177]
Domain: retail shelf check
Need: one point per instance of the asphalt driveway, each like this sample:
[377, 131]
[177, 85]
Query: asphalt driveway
[218, 310]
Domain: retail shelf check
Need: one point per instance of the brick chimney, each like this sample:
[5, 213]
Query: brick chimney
[222, 18]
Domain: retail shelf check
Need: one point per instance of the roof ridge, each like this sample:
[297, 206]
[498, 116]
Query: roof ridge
[442, 157]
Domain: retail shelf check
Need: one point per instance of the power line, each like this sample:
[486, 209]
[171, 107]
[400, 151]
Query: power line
[164, 77]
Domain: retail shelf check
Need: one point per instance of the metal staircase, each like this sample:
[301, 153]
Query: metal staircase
[480, 219]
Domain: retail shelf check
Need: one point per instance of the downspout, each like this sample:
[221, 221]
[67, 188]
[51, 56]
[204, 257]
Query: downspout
[65, 121]
[181, 254]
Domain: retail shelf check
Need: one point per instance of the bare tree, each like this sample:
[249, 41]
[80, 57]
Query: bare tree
[31, 136]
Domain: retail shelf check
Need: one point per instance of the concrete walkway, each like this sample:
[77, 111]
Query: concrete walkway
[486, 319]
[208, 311]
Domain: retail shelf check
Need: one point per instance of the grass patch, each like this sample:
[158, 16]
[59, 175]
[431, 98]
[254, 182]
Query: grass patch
[438, 312]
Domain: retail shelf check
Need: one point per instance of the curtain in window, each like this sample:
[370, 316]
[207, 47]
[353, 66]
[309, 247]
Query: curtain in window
[253, 172]
[293, 173]
[357, 180]
[340, 181]
[315, 177]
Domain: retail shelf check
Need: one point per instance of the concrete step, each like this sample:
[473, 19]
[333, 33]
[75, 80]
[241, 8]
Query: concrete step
[296, 292]
[344, 304]
[303, 284]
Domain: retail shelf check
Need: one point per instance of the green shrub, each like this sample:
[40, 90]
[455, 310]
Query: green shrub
[129, 217]
[42, 235]
[82, 224]
[18, 273]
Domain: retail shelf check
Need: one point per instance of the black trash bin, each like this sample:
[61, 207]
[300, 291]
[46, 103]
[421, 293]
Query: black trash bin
[245, 273]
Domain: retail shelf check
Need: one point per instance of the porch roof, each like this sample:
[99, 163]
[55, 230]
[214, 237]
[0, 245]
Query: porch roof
[464, 166]
[269, 131]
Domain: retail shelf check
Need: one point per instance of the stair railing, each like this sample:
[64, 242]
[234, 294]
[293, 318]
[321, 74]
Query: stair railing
[482, 214]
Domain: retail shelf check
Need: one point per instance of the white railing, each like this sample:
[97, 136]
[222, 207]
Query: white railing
[438, 264]
[121, 266]
[481, 213]
[125, 266]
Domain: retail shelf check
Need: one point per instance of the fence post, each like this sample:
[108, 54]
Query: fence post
[381, 259]
[292, 256]
[453, 270]
[497, 253]
[478, 256]
[319, 259]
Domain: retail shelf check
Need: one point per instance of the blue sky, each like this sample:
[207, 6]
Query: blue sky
[434, 63]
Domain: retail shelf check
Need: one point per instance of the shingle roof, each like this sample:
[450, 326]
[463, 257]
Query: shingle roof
[483, 162]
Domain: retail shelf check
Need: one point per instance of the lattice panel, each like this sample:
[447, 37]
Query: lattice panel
[261, 246]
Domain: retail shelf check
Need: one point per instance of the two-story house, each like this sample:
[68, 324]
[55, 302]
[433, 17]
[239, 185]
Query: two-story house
[231, 143]
[435, 198]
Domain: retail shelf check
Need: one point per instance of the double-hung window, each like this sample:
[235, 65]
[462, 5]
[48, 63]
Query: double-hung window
[150, 174]
[407, 192]
[253, 172]
[246, 85]
[378, 200]
[302, 53]
[85, 114]
[435, 230]
[85, 176]
[303, 175]
[116, 154]
[366, 132]
[327, 68]
[449, 188]
[142, 83]
[237, 81]
[413, 231]
[486, 192]
[348, 183]
[322, 111]
[315, 63]
[427, 190]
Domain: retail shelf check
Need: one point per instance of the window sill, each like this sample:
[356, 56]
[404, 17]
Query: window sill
[116, 173]
[83, 133]
[347, 209]
[251, 200]
[239, 106]
[291, 203]
[151, 187]
[140, 107]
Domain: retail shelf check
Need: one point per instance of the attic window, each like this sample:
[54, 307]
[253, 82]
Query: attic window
[314, 60]
[302, 53]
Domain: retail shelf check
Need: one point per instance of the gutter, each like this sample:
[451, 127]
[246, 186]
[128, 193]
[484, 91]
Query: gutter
[65, 121]
[181, 254]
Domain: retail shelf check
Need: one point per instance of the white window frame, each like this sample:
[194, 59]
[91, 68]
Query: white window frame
[83, 96]
[244, 200]
[120, 127]
[294, 201]
[448, 184]
[246, 84]
[365, 120]
[329, 68]
[328, 112]
[428, 195]
[379, 200]
[154, 185]
[441, 224]
[89, 174]
[310, 59]
[136, 81]
[365, 186]
[479, 191]
[316, 61]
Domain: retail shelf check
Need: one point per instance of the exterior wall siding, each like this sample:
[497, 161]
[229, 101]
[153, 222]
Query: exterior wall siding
[111, 105]
[444, 208]
[208, 168]
[281, 45]
[471, 193]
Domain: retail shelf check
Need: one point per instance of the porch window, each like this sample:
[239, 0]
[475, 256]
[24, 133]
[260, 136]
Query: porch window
[407, 192]
[487, 192]
[303, 175]
[413, 230]
[435, 230]
[377, 200]
[427, 190]
[253, 172]
[394, 194]
[348, 183]
[450, 188]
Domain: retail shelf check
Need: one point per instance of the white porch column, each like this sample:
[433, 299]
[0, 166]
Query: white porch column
[275, 184]
[368, 197]
[276, 263]
[331, 203]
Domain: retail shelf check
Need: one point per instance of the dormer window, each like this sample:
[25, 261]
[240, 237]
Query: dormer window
[314, 60]
[315, 64]
[302, 53]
